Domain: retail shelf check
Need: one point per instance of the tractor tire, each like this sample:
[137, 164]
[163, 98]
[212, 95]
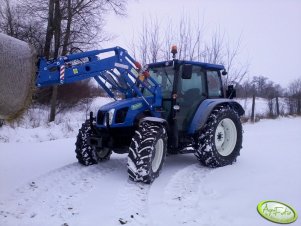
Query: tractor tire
[85, 154]
[220, 140]
[147, 152]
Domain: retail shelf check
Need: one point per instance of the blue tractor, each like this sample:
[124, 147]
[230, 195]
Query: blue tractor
[168, 107]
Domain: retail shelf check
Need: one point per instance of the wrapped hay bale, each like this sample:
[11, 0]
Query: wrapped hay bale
[17, 74]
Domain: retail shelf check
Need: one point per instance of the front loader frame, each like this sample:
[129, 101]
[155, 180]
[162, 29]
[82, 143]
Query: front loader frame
[108, 72]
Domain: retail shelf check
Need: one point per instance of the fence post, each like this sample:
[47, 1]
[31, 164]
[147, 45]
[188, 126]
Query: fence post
[277, 106]
[253, 110]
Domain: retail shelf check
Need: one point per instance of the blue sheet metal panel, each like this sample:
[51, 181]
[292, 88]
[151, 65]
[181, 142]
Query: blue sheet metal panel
[91, 53]
[161, 64]
[204, 65]
[120, 104]
[203, 112]
[49, 73]
[84, 70]
[136, 105]
[49, 70]
[46, 77]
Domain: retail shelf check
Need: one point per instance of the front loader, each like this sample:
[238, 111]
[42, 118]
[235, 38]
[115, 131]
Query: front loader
[168, 107]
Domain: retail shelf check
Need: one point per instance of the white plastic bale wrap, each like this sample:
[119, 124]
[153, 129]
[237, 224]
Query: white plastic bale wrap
[17, 73]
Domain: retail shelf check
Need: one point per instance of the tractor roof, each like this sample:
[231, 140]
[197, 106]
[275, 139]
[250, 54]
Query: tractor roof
[204, 65]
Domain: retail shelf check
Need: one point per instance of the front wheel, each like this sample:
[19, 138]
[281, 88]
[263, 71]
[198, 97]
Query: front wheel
[86, 154]
[220, 140]
[147, 152]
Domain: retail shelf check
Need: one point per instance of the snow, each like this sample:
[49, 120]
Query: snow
[42, 183]
[34, 125]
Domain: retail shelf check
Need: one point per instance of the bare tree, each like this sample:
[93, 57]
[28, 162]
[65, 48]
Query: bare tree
[56, 23]
[12, 23]
[245, 89]
[144, 40]
[294, 97]
[184, 33]
[58, 27]
[82, 26]
[189, 37]
[168, 41]
[236, 71]
[214, 50]
[260, 84]
[8, 19]
[50, 29]
[155, 41]
[295, 88]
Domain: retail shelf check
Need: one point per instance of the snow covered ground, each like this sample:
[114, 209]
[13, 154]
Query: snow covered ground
[34, 125]
[42, 184]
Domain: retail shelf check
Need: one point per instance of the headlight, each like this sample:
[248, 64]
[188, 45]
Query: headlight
[111, 115]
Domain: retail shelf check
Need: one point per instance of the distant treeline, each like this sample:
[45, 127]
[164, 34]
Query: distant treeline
[260, 86]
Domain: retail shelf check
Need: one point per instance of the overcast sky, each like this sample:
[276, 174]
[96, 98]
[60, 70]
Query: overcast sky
[270, 29]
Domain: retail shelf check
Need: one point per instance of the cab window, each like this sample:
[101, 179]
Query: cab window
[214, 84]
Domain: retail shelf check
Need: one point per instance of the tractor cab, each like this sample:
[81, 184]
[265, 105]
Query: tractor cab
[184, 86]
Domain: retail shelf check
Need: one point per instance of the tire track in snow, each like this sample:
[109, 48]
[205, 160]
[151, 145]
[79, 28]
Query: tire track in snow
[183, 197]
[132, 203]
[134, 200]
[180, 194]
[52, 195]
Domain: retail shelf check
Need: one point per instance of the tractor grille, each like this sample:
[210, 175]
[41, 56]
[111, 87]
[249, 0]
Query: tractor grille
[120, 115]
[100, 117]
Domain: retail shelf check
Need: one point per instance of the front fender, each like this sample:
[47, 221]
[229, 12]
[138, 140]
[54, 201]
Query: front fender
[155, 120]
[205, 109]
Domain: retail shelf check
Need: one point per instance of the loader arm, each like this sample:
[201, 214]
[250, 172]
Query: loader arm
[112, 68]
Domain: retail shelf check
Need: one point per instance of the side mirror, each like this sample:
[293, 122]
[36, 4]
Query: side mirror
[231, 92]
[224, 72]
[186, 71]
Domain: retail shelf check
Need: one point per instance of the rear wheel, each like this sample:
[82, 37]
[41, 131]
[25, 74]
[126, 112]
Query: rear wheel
[147, 152]
[86, 154]
[220, 140]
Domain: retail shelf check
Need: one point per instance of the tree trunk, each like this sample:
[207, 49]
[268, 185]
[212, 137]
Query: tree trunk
[64, 51]
[277, 106]
[10, 29]
[53, 104]
[299, 106]
[57, 37]
[253, 110]
[49, 32]
[57, 27]
[68, 29]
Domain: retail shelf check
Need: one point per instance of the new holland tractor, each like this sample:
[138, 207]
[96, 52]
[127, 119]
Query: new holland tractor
[167, 107]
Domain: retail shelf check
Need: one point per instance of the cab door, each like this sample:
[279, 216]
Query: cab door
[191, 92]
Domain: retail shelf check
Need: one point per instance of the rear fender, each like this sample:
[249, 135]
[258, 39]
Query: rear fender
[205, 109]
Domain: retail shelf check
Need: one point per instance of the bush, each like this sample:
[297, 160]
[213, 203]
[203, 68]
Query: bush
[68, 94]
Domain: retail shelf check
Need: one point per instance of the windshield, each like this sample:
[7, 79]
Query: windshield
[163, 76]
